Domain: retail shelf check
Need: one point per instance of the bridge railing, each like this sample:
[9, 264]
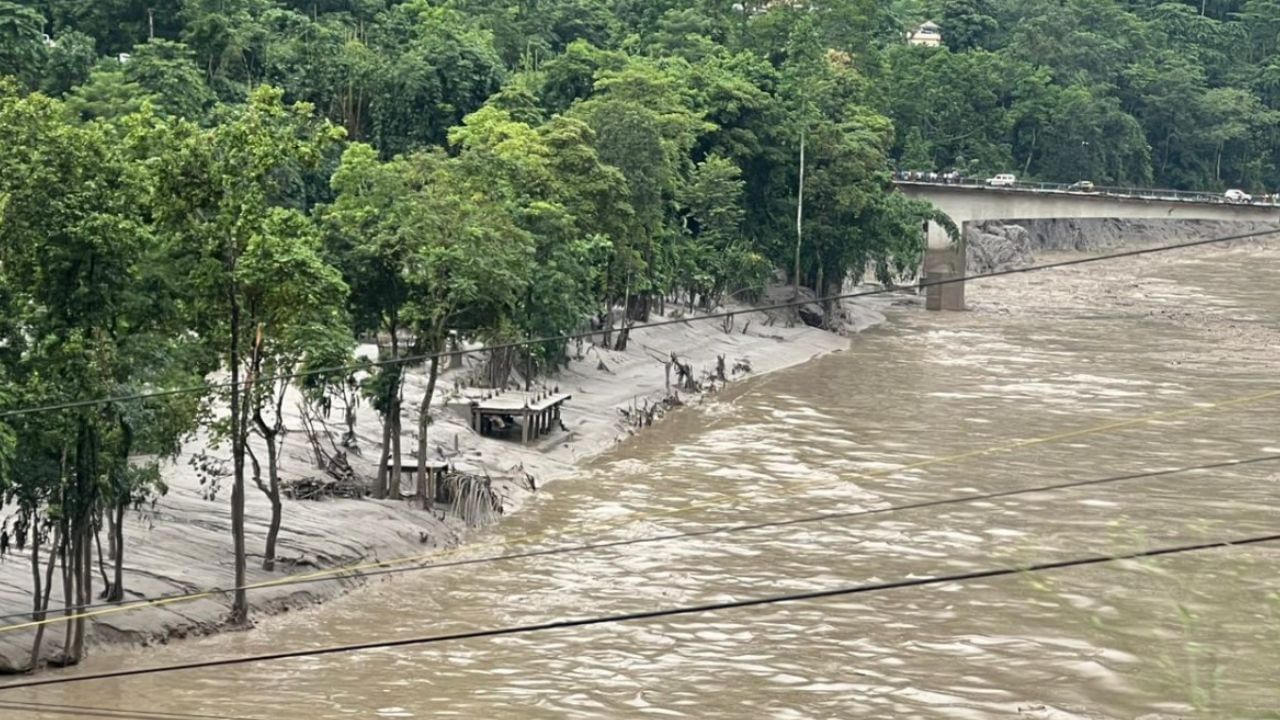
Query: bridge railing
[1108, 191]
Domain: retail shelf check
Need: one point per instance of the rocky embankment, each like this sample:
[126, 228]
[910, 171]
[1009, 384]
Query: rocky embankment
[1001, 245]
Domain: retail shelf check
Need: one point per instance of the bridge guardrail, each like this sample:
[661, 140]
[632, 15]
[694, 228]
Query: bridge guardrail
[1106, 191]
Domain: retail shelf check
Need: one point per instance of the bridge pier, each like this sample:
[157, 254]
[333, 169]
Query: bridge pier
[944, 261]
[942, 264]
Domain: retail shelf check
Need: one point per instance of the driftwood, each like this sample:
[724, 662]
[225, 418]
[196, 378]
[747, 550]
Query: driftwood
[642, 416]
[684, 375]
[333, 459]
[318, 488]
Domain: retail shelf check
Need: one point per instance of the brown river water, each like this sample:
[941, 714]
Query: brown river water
[1039, 357]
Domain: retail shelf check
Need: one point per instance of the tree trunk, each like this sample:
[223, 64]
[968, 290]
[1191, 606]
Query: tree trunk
[65, 555]
[397, 456]
[273, 494]
[81, 508]
[84, 593]
[35, 568]
[799, 218]
[606, 325]
[397, 393]
[1031, 152]
[111, 535]
[380, 483]
[427, 479]
[102, 564]
[820, 290]
[41, 602]
[349, 401]
[240, 603]
[117, 535]
[73, 591]
[626, 316]
[115, 518]
[273, 435]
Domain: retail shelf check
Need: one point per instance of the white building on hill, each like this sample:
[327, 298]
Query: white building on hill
[928, 34]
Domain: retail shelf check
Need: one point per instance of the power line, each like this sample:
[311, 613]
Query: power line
[724, 530]
[354, 570]
[91, 711]
[654, 614]
[411, 359]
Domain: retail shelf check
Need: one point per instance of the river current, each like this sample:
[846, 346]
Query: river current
[1090, 374]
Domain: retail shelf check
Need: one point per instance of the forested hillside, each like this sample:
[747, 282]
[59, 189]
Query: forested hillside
[1176, 94]
[247, 186]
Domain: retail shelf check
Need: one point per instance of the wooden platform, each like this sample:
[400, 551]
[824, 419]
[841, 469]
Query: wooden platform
[537, 413]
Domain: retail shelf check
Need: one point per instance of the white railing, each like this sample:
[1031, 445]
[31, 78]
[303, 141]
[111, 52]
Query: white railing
[1118, 192]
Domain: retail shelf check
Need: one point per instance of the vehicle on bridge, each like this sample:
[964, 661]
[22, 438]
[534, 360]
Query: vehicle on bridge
[1002, 180]
[1081, 186]
[1237, 196]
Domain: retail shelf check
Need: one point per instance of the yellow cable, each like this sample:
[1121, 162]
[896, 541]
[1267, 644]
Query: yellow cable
[604, 525]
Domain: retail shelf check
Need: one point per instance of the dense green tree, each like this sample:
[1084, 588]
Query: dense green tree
[166, 71]
[91, 320]
[968, 24]
[67, 63]
[562, 195]
[467, 273]
[442, 68]
[107, 94]
[367, 240]
[21, 40]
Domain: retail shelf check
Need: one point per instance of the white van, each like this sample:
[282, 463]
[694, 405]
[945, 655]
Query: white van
[1002, 180]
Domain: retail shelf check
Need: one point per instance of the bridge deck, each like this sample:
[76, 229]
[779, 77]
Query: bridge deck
[1179, 196]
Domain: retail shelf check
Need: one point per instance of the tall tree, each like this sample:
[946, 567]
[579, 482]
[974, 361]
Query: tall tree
[217, 201]
[369, 242]
[293, 301]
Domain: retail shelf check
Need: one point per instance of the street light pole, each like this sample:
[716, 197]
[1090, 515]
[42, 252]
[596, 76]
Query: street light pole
[799, 215]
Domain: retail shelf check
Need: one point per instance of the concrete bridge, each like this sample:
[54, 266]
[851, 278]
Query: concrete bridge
[971, 202]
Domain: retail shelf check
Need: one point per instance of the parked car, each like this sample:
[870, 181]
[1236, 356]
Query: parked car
[1238, 196]
[1002, 180]
[1081, 186]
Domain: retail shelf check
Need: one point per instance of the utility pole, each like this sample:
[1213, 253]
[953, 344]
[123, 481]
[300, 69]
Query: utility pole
[151, 24]
[799, 215]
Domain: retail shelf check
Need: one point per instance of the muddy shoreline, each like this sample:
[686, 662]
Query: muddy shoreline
[180, 545]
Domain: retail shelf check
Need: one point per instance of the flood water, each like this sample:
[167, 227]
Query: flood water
[1193, 635]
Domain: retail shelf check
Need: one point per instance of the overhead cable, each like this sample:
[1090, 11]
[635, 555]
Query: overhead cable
[423, 357]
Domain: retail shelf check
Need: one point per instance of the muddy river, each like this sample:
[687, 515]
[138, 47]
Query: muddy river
[1041, 374]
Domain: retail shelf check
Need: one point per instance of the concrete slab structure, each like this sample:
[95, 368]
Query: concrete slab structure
[537, 413]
